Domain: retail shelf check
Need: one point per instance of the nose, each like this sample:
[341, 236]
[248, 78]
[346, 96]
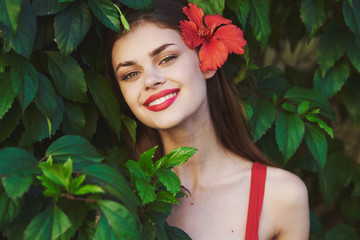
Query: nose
[153, 79]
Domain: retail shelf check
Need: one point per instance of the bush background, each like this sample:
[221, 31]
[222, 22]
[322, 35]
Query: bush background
[299, 80]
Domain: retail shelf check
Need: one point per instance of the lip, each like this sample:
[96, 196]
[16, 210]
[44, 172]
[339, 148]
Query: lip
[162, 106]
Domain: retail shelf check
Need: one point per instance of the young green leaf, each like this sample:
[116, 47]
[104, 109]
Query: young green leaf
[317, 144]
[321, 123]
[58, 173]
[303, 107]
[169, 179]
[146, 191]
[52, 189]
[166, 197]
[86, 189]
[146, 161]
[76, 182]
[176, 157]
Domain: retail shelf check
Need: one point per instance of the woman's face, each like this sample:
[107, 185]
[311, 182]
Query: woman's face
[159, 76]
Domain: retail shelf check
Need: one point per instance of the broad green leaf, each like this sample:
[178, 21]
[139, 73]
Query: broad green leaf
[45, 99]
[105, 99]
[272, 85]
[288, 107]
[241, 8]
[332, 46]
[49, 224]
[91, 117]
[316, 226]
[342, 231]
[46, 7]
[138, 4]
[312, 13]
[333, 80]
[114, 183]
[36, 126]
[317, 144]
[17, 184]
[264, 114]
[289, 131]
[86, 189]
[146, 191]
[316, 99]
[259, 20]
[166, 197]
[7, 95]
[57, 118]
[116, 222]
[22, 41]
[58, 173]
[351, 98]
[169, 179]
[68, 76]
[25, 80]
[352, 51]
[15, 160]
[146, 161]
[106, 13]
[9, 208]
[76, 182]
[321, 123]
[130, 125]
[176, 233]
[210, 7]
[78, 148]
[303, 107]
[10, 121]
[135, 170]
[71, 26]
[176, 157]
[9, 13]
[352, 16]
[74, 118]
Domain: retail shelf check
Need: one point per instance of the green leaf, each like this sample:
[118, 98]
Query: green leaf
[352, 51]
[332, 46]
[352, 16]
[303, 107]
[9, 13]
[176, 233]
[7, 95]
[25, 80]
[176, 157]
[241, 8]
[106, 13]
[58, 173]
[312, 13]
[16, 160]
[166, 197]
[130, 125]
[116, 222]
[105, 99]
[78, 148]
[114, 183]
[138, 4]
[36, 126]
[317, 144]
[52, 189]
[46, 7]
[342, 231]
[74, 118]
[316, 99]
[22, 41]
[210, 7]
[169, 179]
[333, 80]
[9, 208]
[351, 98]
[288, 107]
[9, 121]
[76, 182]
[68, 76]
[135, 170]
[86, 189]
[46, 97]
[316, 228]
[289, 131]
[49, 224]
[57, 118]
[321, 124]
[146, 191]
[264, 114]
[91, 116]
[17, 184]
[259, 20]
[356, 192]
[146, 161]
[71, 26]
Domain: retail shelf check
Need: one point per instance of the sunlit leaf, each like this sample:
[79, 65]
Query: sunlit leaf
[176, 157]
[86, 189]
[106, 13]
[211, 6]
[169, 179]
[321, 123]
[146, 191]
[241, 9]
[166, 197]
[146, 161]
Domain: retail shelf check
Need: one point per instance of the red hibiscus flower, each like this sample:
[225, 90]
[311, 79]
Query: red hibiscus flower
[218, 37]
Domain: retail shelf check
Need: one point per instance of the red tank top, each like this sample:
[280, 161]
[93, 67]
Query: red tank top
[257, 188]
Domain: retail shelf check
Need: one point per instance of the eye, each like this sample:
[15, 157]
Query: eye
[168, 59]
[130, 76]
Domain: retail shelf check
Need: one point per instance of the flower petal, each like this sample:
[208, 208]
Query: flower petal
[194, 13]
[190, 34]
[213, 54]
[232, 37]
[213, 21]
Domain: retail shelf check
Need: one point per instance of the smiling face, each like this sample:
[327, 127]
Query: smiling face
[160, 77]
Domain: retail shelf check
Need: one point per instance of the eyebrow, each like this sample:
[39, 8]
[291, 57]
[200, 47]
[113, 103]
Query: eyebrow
[154, 53]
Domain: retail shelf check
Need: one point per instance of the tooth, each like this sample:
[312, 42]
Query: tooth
[162, 99]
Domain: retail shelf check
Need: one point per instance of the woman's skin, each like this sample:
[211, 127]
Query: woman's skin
[153, 62]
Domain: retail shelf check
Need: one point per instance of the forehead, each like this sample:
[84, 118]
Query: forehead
[142, 40]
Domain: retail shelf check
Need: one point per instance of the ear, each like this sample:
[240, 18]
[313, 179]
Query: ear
[209, 74]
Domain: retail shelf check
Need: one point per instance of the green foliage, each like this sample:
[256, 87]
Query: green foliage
[64, 166]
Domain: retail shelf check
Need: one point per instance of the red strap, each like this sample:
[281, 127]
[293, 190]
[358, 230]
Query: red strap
[257, 188]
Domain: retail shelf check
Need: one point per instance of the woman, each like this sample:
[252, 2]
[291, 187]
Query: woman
[181, 99]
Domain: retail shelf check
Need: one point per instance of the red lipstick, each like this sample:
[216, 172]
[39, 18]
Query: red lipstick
[161, 100]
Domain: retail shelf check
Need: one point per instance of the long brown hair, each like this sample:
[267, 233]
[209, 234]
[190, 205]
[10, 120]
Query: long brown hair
[225, 107]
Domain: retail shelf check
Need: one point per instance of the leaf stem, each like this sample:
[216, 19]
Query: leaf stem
[71, 197]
